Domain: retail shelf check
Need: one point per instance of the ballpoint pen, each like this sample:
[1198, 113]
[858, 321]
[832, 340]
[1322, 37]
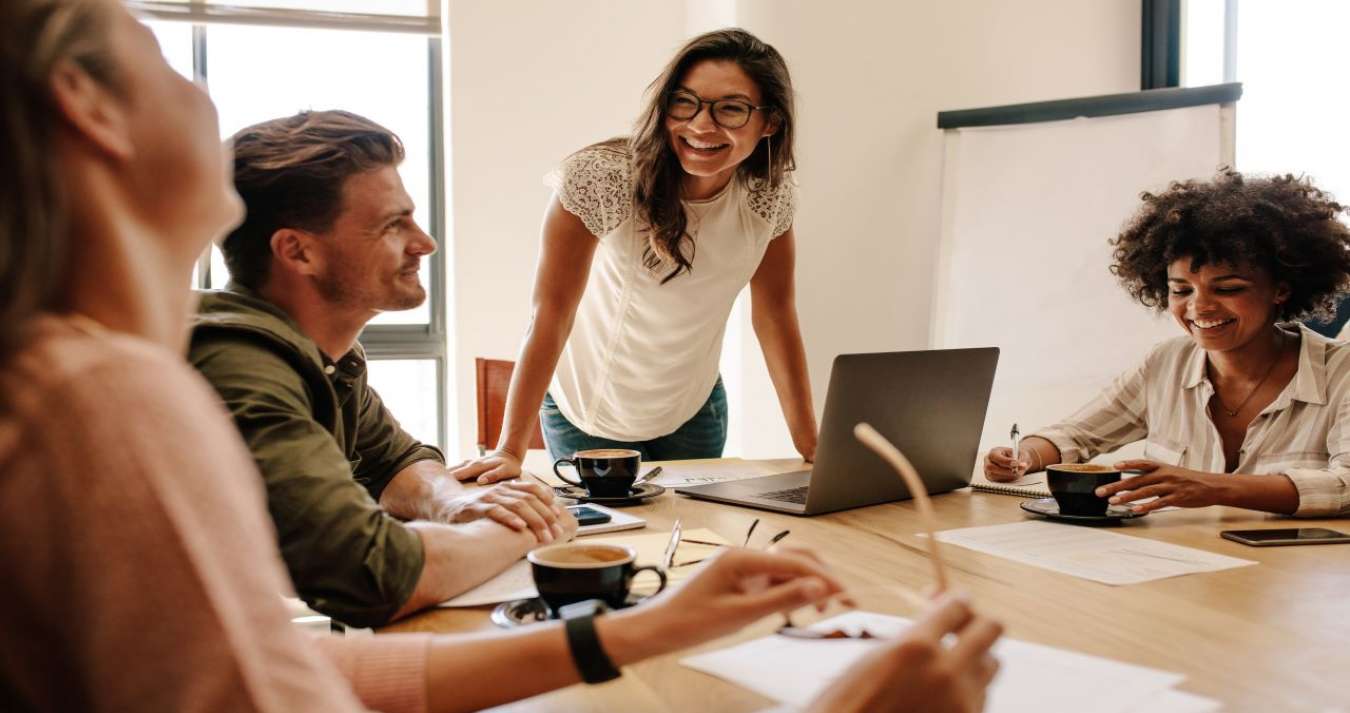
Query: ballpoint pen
[671, 546]
[1016, 437]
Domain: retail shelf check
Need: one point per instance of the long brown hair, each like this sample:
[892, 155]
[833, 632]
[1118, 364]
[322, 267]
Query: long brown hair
[657, 175]
[35, 36]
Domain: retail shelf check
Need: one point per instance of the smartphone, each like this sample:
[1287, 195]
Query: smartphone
[589, 516]
[1286, 536]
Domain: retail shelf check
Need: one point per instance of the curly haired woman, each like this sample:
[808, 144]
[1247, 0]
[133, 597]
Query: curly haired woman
[1250, 409]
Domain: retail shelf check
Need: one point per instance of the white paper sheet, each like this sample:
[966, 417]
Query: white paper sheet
[517, 582]
[1032, 678]
[1098, 555]
[1174, 701]
[514, 583]
[719, 470]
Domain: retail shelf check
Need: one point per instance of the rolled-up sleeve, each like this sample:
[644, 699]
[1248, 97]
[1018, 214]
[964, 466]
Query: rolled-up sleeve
[1115, 417]
[346, 556]
[385, 448]
[1323, 492]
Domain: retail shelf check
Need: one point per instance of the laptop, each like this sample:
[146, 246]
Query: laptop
[930, 404]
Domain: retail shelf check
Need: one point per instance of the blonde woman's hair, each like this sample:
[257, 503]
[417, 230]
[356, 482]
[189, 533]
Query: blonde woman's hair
[35, 37]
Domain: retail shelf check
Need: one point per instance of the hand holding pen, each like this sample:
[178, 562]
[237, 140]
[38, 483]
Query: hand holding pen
[1006, 464]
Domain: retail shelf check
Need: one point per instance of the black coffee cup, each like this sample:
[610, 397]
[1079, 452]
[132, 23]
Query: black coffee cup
[1074, 486]
[604, 472]
[577, 571]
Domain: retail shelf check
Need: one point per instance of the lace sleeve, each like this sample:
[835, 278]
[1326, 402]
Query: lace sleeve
[775, 204]
[593, 185]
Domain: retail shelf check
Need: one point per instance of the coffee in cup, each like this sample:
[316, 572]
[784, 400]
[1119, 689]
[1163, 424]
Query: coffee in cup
[577, 571]
[604, 472]
[1074, 486]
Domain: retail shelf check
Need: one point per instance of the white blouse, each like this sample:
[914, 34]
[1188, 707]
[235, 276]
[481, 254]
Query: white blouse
[643, 357]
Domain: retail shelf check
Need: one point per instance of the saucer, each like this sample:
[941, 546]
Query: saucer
[1048, 508]
[523, 612]
[640, 492]
[509, 615]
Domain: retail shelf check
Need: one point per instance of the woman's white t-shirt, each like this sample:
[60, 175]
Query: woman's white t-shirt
[643, 357]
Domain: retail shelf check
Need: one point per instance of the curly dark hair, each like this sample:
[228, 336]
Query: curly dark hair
[1282, 224]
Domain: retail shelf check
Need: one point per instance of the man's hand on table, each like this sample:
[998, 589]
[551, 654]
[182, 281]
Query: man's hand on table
[516, 504]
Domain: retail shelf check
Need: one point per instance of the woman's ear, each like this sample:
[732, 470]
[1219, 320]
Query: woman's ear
[92, 112]
[772, 125]
[1282, 293]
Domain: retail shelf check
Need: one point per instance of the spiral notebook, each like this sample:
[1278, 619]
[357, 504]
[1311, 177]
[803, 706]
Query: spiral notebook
[1028, 486]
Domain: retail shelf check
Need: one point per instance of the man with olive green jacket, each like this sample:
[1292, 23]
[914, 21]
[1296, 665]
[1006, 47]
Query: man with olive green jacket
[370, 523]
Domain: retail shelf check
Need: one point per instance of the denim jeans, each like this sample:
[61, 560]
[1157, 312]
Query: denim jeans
[703, 436]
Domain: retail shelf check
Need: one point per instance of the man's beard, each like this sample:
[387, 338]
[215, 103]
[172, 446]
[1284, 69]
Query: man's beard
[354, 290]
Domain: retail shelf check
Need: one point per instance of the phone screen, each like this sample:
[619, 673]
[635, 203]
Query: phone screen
[589, 516]
[1291, 535]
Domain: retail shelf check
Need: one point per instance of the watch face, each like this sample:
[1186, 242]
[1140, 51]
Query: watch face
[590, 607]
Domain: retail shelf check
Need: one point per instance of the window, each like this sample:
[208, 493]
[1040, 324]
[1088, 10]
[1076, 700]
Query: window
[1290, 58]
[408, 388]
[255, 72]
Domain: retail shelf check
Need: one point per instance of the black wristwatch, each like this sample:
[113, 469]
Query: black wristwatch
[587, 653]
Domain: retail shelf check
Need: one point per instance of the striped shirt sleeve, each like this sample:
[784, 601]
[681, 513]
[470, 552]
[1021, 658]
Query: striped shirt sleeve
[1323, 492]
[1115, 417]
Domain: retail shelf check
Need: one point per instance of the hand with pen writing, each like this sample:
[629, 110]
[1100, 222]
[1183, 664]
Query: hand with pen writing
[1034, 453]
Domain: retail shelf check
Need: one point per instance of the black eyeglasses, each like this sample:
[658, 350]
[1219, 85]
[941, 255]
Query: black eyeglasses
[726, 113]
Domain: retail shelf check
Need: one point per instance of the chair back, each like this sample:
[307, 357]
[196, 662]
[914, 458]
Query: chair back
[493, 381]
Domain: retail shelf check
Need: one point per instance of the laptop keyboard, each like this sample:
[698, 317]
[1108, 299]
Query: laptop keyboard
[791, 495]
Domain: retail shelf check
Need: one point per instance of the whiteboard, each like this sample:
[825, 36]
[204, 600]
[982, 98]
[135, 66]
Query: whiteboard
[1023, 257]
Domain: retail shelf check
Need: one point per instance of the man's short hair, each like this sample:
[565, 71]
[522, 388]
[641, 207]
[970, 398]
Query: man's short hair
[290, 173]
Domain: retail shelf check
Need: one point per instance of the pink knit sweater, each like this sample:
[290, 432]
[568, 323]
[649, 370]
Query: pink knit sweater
[138, 565]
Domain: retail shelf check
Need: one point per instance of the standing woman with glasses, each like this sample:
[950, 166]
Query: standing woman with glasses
[646, 245]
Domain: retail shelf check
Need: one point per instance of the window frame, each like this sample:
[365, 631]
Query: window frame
[425, 341]
[1163, 37]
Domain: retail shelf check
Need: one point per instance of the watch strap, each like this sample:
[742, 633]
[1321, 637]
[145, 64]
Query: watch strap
[587, 653]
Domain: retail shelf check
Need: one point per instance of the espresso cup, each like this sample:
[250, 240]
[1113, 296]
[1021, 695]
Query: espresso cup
[577, 571]
[1074, 486]
[604, 472]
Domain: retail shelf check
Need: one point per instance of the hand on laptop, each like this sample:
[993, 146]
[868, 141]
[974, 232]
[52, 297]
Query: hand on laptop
[490, 468]
[806, 446]
[920, 673]
[518, 505]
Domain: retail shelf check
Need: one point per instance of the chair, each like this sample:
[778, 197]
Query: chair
[493, 380]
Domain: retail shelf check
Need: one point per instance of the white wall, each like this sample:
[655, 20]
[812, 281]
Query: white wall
[871, 77]
[531, 81]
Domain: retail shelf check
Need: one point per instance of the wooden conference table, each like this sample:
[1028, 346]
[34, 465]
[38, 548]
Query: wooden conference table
[1269, 637]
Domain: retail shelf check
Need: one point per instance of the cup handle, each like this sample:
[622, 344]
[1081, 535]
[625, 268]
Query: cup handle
[651, 568]
[562, 477]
